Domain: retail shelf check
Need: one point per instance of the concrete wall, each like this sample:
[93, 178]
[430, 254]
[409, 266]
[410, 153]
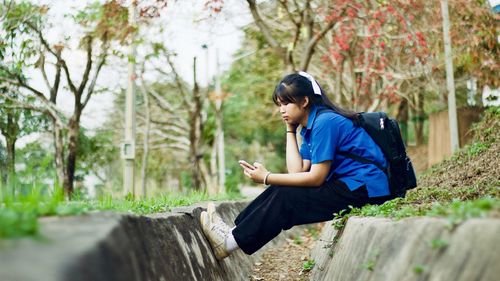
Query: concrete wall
[107, 246]
[171, 246]
[372, 249]
[439, 145]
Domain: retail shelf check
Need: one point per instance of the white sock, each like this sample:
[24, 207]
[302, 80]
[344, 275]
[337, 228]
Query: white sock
[231, 244]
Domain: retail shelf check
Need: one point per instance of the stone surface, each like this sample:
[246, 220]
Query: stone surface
[107, 246]
[410, 249]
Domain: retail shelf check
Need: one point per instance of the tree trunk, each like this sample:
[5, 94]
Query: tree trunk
[11, 162]
[3, 168]
[145, 153]
[212, 173]
[195, 134]
[73, 131]
[11, 131]
[59, 153]
[11, 157]
[208, 180]
[194, 158]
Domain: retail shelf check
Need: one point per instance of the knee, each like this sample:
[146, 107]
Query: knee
[272, 188]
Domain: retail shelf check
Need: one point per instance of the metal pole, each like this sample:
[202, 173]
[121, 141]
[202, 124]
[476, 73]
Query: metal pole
[450, 83]
[219, 127]
[128, 146]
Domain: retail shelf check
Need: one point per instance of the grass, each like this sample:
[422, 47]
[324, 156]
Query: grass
[308, 265]
[419, 269]
[297, 240]
[19, 215]
[438, 244]
[456, 211]
[372, 261]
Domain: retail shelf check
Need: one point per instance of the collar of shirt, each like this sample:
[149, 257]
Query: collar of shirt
[310, 119]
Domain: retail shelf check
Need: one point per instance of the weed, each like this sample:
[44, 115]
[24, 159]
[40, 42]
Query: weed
[313, 231]
[476, 148]
[331, 253]
[419, 269]
[308, 265]
[439, 244]
[372, 261]
[297, 240]
[456, 210]
[340, 218]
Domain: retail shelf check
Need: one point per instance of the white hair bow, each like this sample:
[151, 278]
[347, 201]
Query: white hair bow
[314, 84]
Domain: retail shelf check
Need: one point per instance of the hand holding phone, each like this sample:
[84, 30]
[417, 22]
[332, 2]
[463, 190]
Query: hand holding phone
[244, 164]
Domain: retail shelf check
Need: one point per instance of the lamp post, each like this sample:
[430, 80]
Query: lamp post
[450, 83]
[219, 129]
[128, 145]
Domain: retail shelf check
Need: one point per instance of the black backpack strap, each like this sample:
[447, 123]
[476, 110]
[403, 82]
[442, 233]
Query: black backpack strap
[362, 160]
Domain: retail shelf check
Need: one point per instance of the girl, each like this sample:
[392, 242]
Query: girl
[320, 180]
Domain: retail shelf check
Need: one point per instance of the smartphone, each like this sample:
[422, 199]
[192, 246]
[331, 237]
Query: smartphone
[246, 164]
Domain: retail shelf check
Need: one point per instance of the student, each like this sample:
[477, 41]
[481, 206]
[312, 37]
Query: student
[319, 182]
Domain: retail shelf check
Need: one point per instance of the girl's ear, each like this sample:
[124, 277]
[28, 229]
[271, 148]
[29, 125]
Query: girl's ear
[305, 102]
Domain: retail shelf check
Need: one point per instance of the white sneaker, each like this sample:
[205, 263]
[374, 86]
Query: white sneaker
[214, 218]
[216, 234]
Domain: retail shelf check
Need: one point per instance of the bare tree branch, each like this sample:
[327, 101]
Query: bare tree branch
[262, 25]
[284, 3]
[57, 79]
[162, 103]
[6, 10]
[88, 67]
[41, 62]
[100, 64]
[17, 81]
[170, 145]
[54, 113]
[167, 126]
[306, 58]
[57, 54]
[169, 122]
[177, 78]
[179, 139]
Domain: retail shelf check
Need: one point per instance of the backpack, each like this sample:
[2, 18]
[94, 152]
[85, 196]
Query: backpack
[386, 134]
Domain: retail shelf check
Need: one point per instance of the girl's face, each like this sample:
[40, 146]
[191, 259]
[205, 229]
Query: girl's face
[294, 113]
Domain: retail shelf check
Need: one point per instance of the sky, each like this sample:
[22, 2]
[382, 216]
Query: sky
[187, 26]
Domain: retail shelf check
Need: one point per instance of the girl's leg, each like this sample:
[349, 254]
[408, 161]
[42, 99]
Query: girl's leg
[255, 204]
[283, 207]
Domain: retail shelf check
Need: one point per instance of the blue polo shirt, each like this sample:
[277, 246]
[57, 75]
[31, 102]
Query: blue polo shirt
[328, 133]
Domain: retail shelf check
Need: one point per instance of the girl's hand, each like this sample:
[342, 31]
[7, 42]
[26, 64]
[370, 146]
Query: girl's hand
[257, 172]
[291, 127]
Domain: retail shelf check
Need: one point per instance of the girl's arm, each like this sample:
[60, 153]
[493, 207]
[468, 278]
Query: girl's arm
[315, 177]
[294, 162]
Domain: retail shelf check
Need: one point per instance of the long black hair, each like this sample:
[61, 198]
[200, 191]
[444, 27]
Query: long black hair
[294, 87]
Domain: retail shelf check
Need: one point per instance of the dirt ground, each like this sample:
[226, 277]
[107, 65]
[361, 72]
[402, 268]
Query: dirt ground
[475, 166]
[285, 263]
[466, 170]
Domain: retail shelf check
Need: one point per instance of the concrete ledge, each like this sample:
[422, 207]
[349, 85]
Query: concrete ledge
[109, 246]
[409, 249]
